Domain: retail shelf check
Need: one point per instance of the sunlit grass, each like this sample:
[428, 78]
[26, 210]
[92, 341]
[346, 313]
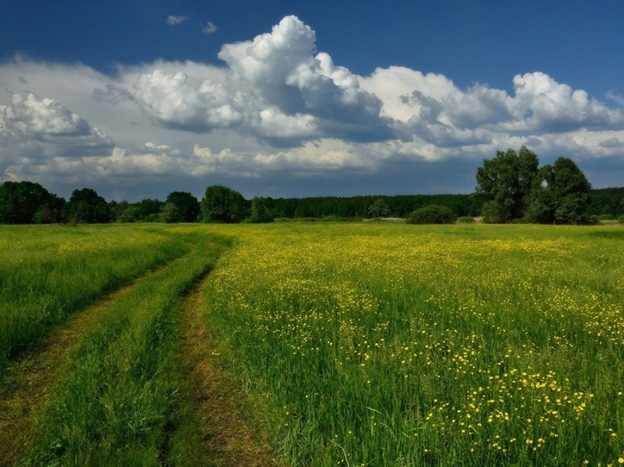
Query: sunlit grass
[402, 345]
[360, 344]
[117, 400]
[49, 272]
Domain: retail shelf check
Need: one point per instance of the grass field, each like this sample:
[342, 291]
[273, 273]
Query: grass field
[355, 344]
[48, 273]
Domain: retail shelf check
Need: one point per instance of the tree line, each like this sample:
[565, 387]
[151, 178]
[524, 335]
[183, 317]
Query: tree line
[27, 202]
[511, 187]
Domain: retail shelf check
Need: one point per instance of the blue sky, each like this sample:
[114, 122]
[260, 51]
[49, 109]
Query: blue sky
[274, 98]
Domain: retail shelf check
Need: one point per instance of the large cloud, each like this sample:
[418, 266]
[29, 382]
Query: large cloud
[38, 128]
[432, 108]
[276, 87]
[542, 104]
[45, 119]
[174, 102]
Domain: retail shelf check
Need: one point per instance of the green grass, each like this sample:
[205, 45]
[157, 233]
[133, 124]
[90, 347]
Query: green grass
[47, 273]
[359, 344]
[117, 402]
[449, 345]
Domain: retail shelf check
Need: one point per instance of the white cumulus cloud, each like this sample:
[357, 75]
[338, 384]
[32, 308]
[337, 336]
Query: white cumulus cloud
[31, 119]
[541, 103]
[45, 118]
[276, 86]
[171, 100]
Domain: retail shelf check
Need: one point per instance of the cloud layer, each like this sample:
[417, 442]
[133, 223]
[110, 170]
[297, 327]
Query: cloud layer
[278, 107]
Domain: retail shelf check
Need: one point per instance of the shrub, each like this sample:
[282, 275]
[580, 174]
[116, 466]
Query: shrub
[621, 219]
[432, 214]
[334, 218]
[466, 220]
[606, 217]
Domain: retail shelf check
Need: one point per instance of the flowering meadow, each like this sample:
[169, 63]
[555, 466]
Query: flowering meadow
[388, 344]
[356, 344]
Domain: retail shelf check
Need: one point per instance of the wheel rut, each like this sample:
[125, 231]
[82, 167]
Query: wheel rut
[28, 382]
[226, 438]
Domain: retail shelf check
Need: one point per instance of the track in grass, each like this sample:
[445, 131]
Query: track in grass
[29, 381]
[225, 438]
[31, 385]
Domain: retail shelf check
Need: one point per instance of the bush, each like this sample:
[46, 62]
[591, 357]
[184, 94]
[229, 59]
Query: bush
[621, 219]
[432, 214]
[334, 218]
[606, 217]
[466, 220]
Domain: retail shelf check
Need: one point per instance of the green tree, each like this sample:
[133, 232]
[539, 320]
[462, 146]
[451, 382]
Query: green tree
[186, 204]
[432, 214]
[494, 212]
[379, 208]
[25, 202]
[560, 194]
[132, 213]
[149, 209]
[50, 211]
[222, 204]
[116, 209]
[303, 210]
[260, 211]
[86, 206]
[170, 213]
[506, 182]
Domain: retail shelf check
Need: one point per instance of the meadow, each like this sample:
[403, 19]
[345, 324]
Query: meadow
[445, 345]
[357, 343]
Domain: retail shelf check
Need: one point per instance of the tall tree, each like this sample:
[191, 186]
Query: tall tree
[222, 204]
[149, 209]
[560, 194]
[186, 204]
[170, 213]
[260, 211]
[506, 182]
[50, 211]
[25, 202]
[86, 206]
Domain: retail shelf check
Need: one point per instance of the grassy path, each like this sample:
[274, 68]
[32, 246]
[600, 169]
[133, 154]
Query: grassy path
[220, 433]
[28, 383]
[133, 380]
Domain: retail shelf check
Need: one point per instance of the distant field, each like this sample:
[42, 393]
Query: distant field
[357, 344]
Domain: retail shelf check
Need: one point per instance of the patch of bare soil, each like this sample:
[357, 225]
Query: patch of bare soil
[28, 383]
[228, 440]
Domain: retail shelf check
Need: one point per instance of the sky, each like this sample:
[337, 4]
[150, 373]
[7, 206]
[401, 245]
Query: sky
[140, 98]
